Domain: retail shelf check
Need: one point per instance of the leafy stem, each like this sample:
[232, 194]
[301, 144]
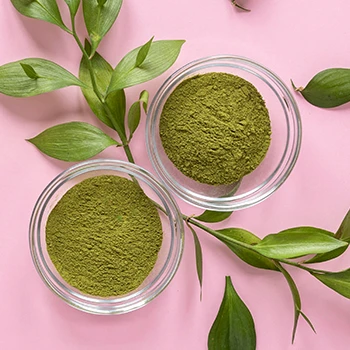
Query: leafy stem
[99, 95]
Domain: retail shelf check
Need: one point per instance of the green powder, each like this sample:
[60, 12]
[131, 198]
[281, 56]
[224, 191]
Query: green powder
[215, 128]
[104, 236]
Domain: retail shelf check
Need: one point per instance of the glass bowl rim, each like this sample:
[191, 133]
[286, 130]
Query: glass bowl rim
[254, 196]
[115, 305]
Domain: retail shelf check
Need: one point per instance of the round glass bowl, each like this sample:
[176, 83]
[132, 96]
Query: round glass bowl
[168, 258]
[280, 158]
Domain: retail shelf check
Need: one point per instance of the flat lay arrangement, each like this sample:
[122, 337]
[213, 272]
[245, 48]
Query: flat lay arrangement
[189, 185]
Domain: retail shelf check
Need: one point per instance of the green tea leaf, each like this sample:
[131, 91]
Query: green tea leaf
[296, 300]
[115, 101]
[344, 229]
[338, 281]
[46, 10]
[161, 56]
[73, 6]
[248, 256]
[99, 18]
[141, 56]
[72, 142]
[29, 70]
[14, 81]
[327, 89]
[295, 243]
[199, 258]
[213, 216]
[234, 326]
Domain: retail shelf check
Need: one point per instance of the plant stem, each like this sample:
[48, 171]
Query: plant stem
[308, 269]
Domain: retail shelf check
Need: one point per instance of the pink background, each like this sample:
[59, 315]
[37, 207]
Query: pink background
[296, 39]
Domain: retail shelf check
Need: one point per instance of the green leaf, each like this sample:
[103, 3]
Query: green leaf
[73, 141]
[297, 242]
[161, 56]
[327, 89]
[344, 229]
[73, 6]
[99, 18]
[115, 101]
[248, 256]
[213, 216]
[296, 300]
[101, 2]
[46, 10]
[29, 70]
[199, 258]
[141, 56]
[14, 81]
[233, 327]
[134, 114]
[144, 97]
[134, 117]
[327, 256]
[338, 281]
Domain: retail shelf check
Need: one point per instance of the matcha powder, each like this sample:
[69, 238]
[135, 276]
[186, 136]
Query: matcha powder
[215, 128]
[104, 236]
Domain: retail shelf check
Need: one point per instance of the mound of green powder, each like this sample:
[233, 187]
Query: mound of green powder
[104, 236]
[215, 128]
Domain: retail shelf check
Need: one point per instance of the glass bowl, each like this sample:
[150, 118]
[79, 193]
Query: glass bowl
[168, 258]
[280, 158]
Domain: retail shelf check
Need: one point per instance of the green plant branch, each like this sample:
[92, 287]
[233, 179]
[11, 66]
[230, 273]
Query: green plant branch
[99, 95]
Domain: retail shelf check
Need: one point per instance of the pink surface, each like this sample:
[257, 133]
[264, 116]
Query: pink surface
[295, 39]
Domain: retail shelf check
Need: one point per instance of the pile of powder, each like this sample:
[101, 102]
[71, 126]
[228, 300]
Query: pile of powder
[215, 128]
[104, 236]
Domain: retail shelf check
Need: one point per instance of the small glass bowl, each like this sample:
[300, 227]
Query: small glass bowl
[280, 158]
[168, 258]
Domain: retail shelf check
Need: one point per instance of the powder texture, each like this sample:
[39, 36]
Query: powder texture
[215, 128]
[104, 236]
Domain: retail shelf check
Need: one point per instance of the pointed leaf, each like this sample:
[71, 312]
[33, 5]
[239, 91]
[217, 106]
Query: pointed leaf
[161, 56]
[338, 281]
[144, 97]
[115, 101]
[213, 216]
[329, 88]
[141, 56]
[134, 114]
[248, 256]
[233, 327]
[296, 298]
[327, 256]
[46, 10]
[99, 18]
[72, 142]
[29, 70]
[134, 117]
[73, 6]
[15, 82]
[199, 258]
[344, 229]
[295, 243]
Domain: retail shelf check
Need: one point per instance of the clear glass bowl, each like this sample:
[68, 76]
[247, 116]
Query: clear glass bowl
[168, 258]
[280, 158]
